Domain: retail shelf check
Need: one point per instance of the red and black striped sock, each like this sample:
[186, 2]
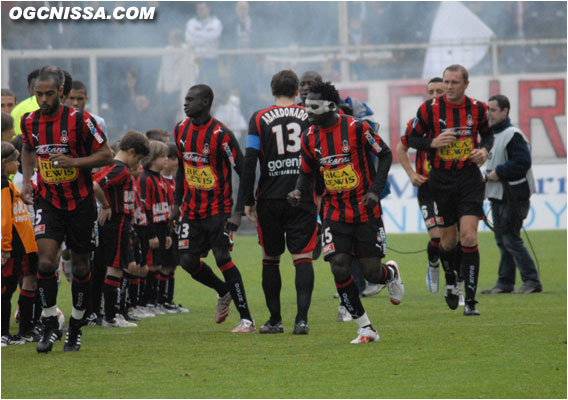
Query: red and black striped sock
[111, 291]
[470, 268]
[234, 283]
[304, 287]
[271, 286]
[349, 295]
[26, 303]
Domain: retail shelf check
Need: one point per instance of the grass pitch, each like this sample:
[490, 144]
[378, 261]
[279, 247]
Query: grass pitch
[515, 349]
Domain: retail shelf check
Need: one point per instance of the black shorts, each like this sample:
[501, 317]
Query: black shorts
[426, 203]
[279, 223]
[140, 245]
[116, 240]
[29, 264]
[171, 258]
[74, 227]
[158, 255]
[361, 240]
[456, 194]
[200, 236]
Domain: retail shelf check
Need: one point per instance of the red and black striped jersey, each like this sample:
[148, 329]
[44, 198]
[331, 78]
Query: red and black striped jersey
[154, 197]
[140, 218]
[342, 154]
[275, 132]
[171, 186]
[422, 164]
[116, 181]
[73, 133]
[207, 152]
[468, 120]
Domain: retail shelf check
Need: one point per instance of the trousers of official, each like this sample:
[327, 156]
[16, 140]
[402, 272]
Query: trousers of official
[508, 217]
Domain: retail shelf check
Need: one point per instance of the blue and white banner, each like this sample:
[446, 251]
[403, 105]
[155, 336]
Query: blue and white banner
[401, 213]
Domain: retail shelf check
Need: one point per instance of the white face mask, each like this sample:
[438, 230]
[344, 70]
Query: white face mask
[319, 106]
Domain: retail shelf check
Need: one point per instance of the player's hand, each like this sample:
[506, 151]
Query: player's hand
[479, 156]
[168, 242]
[233, 222]
[444, 139]
[173, 218]
[294, 197]
[154, 243]
[5, 257]
[370, 199]
[250, 212]
[417, 179]
[62, 161]
[26, 193]
[104, 215]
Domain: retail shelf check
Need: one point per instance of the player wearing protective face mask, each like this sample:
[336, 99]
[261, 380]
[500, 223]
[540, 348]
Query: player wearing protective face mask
[340, 148]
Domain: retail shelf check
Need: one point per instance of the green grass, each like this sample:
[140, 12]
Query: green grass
[516, 349]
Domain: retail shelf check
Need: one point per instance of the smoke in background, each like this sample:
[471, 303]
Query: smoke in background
[146, 92]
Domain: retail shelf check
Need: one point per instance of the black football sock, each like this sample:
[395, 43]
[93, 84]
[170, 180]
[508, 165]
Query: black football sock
[150, 292]
[47, 288]
[271, 286]
[470, 267]
[37, 308]
[26, 303]
[207, 277]
[447, 258]
[9, 286]
[162, 281]
[130, 289]
[349, 295]
[234, 283]
[111, 291]
[171, 287]
[80, 292]
[434, 252]
[304, 287]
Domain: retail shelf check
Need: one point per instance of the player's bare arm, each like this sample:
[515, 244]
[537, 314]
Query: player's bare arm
[99, 158]
[444, 139]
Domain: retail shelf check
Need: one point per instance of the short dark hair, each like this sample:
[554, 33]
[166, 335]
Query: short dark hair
[7, 121]
[436, 79]
[67, 85]
[502, 101]
[285, 83]
[51, 73]
[206, 90]
[135, 140]
[8, 92]
[18, 142]
[32, 76]
[158, 134]
[460, 68]
[327, 90]
[78, 85]
[173, 153]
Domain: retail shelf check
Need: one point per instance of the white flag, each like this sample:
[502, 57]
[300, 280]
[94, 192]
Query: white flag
[457, 26]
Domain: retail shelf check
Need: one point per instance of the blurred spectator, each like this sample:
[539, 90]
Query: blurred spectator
[28, 105]
[230, 113]
[203, 32]
[7, 127]
[8, 100]
[177, 72]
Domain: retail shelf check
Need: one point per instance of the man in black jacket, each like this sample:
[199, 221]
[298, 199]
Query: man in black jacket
[510, 184]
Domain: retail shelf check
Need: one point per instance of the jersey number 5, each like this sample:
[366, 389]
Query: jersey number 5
[294, 131]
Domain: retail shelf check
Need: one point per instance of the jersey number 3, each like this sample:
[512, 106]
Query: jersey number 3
[294, 132]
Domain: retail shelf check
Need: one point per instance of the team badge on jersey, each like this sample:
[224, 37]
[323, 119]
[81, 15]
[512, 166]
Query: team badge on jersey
[64, 137]
[346, 147]
[206, 149]
[469, 121]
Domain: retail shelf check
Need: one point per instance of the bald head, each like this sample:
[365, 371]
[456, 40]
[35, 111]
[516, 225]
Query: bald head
[306, 81]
